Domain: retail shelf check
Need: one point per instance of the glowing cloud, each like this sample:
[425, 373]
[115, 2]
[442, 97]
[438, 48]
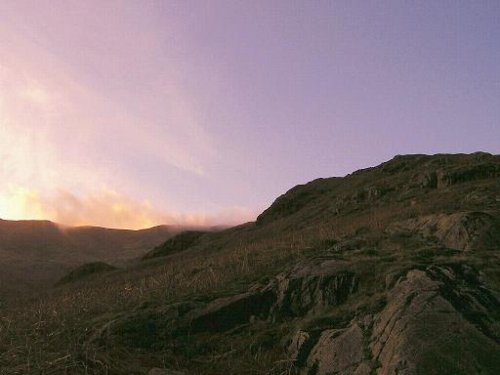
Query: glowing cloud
[105, 208]
[61, 136]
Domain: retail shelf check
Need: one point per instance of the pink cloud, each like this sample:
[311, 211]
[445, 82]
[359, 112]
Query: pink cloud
[107, 208]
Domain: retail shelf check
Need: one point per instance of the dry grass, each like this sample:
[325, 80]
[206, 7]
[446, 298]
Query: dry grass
[45, 335]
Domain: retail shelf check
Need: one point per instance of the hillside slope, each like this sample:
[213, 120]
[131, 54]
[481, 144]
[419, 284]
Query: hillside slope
[35, 254]
[390, 270]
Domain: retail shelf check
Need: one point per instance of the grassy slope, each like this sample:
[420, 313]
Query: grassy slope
[47, 334]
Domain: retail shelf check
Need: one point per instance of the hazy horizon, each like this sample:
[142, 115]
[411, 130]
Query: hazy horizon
[131, 114]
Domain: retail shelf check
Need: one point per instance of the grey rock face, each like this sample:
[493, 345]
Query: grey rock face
[304, 291]
[337, 351]
[331, 351]
[300, 295]
[436, 319]
[461, 231]
[433, 321]
[296, 344]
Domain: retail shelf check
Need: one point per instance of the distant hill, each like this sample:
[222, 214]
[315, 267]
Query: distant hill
[35, 254]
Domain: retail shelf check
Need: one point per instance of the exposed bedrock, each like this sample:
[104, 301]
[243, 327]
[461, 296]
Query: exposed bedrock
[302, 292]
[461, 231]
[439, 320]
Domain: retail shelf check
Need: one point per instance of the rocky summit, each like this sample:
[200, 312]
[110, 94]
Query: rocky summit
[390, 270]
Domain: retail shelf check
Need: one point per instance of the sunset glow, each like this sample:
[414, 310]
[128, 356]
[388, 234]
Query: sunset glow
[132, 114]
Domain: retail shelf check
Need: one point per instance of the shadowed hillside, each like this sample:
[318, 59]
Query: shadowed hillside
[390, 270]
[35, 254]
[85, 271]
[177, 243]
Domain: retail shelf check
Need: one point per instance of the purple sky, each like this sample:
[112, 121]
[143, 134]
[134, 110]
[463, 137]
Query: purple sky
[134, 113]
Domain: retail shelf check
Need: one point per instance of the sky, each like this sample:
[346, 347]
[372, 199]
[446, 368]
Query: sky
[136, 113]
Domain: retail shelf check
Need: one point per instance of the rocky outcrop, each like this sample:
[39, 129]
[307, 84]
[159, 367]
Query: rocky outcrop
[337, 351]
[333, 350]
[467, 173]
[226, 313]
[308, 291]
[439, 317]
[461, 231]
[445, 177]
[439, 320]
[304, 291]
